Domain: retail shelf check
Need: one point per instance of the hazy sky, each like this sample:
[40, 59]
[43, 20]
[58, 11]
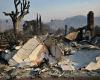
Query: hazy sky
[54, 9]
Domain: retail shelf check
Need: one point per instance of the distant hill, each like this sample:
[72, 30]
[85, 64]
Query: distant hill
[75, 21]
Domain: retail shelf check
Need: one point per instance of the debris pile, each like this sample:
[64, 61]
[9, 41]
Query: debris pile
[61, 59]
[94, 65]
[32, 53]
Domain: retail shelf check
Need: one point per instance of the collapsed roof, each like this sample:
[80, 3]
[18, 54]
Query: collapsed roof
[33, 52]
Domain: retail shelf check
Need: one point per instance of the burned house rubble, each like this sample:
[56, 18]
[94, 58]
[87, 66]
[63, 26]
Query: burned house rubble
[88, 33]
[33, 58]
[74, 54]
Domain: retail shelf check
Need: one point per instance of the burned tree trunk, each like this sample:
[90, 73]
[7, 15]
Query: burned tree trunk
[21, 9]
[16, 25]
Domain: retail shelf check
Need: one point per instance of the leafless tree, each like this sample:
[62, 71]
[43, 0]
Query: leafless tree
[21, 9]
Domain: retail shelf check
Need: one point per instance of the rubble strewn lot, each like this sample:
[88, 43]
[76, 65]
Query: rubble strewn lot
[19, 73]
[39, 59]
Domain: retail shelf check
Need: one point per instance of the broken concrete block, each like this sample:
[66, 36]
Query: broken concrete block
[98, 64]
[97, 58]
[91, 66]
[67, 67]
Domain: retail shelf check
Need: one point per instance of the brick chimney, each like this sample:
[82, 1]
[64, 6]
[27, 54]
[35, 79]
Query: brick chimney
[90, 23]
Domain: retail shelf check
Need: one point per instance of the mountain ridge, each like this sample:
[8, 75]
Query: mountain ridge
[74, 21]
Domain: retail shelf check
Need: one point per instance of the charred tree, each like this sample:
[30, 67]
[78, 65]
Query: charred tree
[40, 24]
[21, 9]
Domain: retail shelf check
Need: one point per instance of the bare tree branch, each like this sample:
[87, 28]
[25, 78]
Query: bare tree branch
[24, 7]
[21, 9]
